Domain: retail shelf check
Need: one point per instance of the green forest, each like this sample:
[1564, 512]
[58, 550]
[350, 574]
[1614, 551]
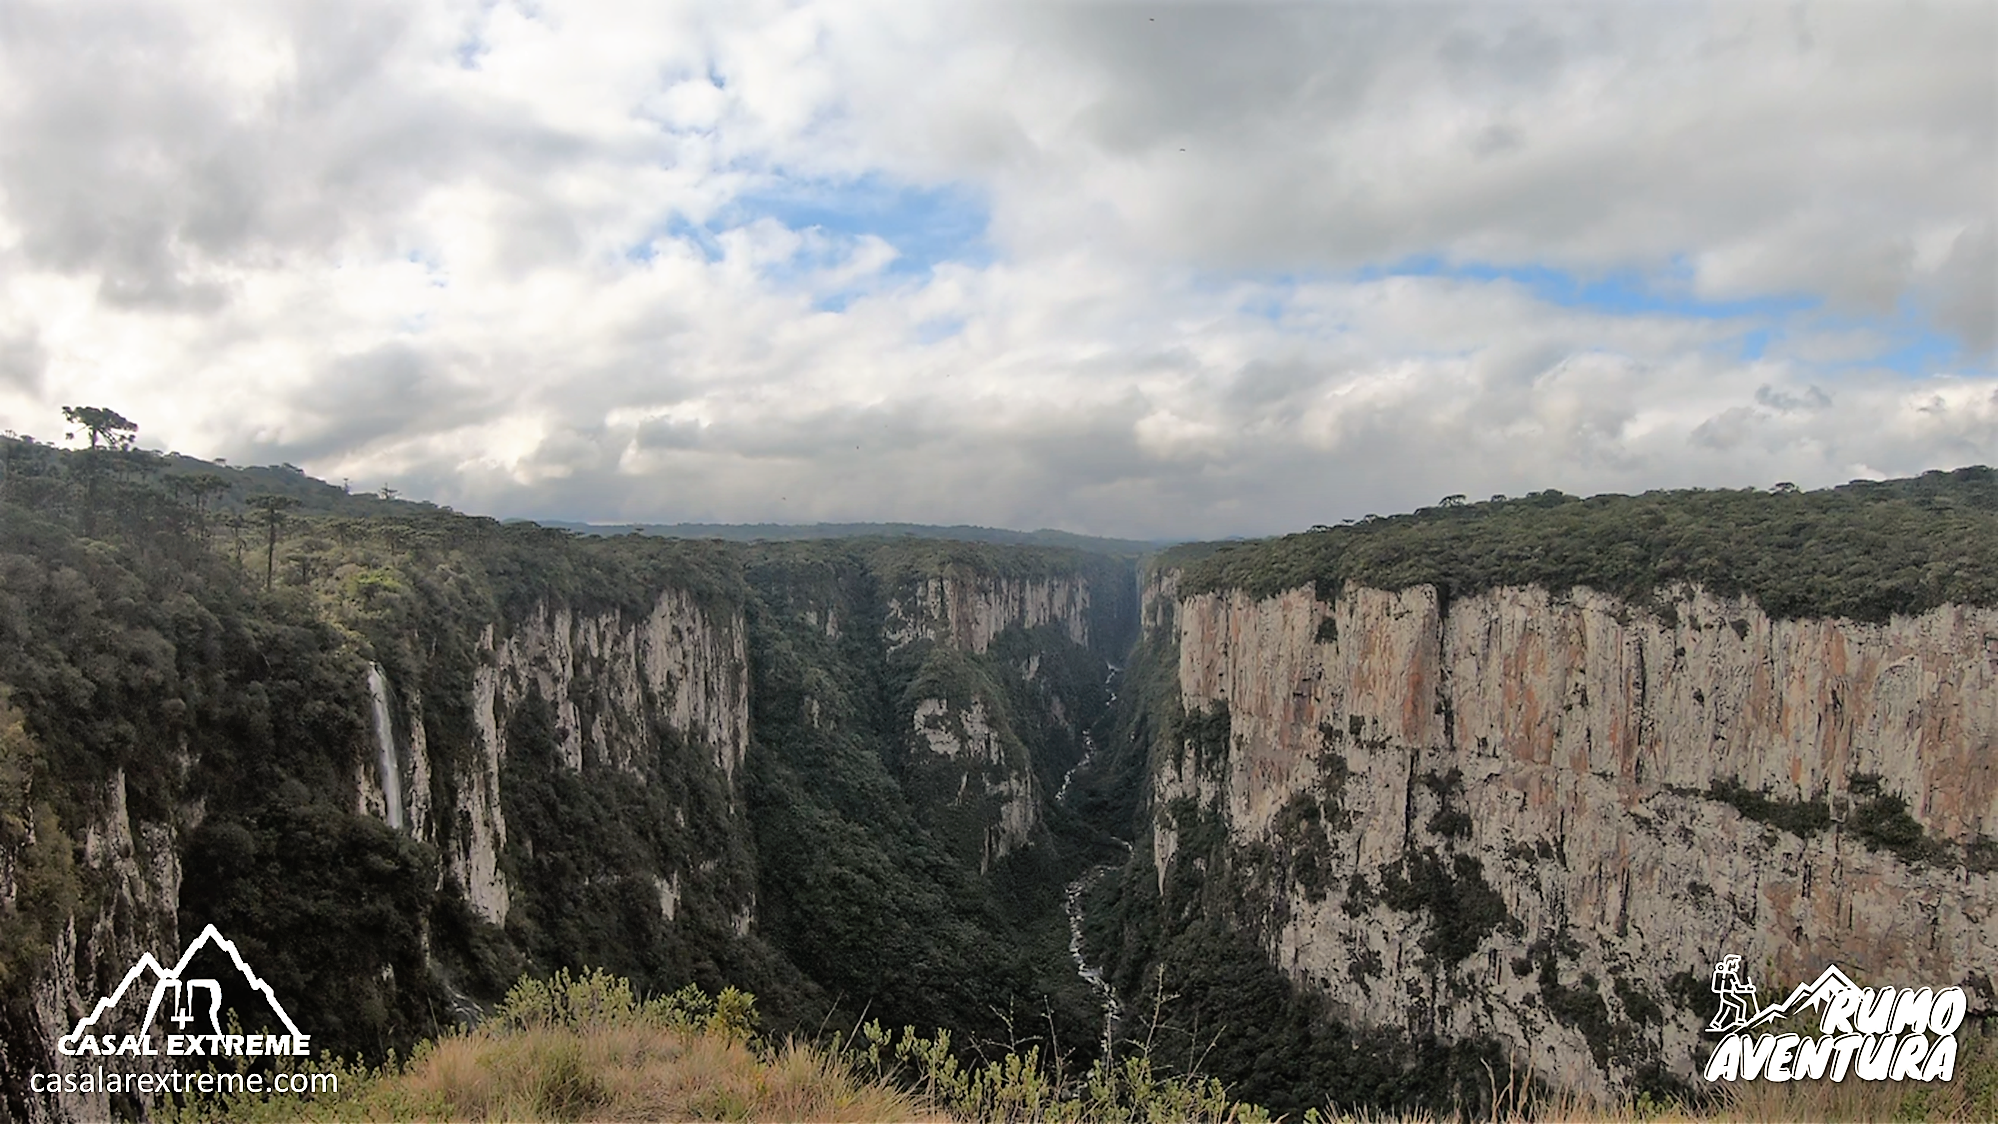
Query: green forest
[1865, 550]
[185, 648]
[193, 641]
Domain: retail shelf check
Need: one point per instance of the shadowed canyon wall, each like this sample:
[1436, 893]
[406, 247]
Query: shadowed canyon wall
[672, 762]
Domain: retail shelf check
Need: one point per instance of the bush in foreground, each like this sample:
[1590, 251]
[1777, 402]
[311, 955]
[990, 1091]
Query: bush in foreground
[588, 1049]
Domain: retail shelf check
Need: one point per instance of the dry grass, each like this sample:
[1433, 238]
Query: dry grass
[588, 1050]
[634, 1073]
[624, 1073]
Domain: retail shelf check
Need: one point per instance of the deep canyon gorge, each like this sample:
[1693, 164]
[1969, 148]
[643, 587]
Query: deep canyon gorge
[1351, 830]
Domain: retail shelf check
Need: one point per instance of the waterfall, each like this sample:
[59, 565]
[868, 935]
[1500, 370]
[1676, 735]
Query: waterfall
[385, 740]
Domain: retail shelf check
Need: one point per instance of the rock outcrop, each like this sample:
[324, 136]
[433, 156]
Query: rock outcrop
[967, 611]
[1609, 799]
[139, 863]
[609, 679]
[993, 774]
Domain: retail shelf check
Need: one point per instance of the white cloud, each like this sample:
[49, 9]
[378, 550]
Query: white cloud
[511, 256]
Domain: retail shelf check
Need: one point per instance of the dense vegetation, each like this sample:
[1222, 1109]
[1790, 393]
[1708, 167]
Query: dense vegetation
[1865, 550]
[871, 884]
[193, 641]
[220, 697]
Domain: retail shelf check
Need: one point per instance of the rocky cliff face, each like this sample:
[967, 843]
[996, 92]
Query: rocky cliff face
[968, 610]
[139, 863]
[610, 681]
[992, 772]
[1542, 818]
[994, 778]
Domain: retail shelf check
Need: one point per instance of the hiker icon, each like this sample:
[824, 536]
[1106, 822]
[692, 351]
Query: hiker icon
[1736, 992]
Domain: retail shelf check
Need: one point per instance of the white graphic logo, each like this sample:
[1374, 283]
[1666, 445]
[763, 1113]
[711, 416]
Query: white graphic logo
[1731, 986]
[193, 1008]
[1876, 1033]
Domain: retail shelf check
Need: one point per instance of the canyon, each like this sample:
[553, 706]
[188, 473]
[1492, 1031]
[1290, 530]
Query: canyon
[1355, 839]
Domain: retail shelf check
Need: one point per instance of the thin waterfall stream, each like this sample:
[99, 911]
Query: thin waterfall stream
[391, 773]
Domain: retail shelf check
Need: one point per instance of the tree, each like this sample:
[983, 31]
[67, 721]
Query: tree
[273, 508]
[199, 488]
[106, 426]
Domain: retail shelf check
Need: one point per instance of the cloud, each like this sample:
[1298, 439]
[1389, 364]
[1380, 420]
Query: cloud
[1180, 269]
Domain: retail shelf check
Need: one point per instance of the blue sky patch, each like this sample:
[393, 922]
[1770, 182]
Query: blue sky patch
[927, 226]
[1913, 346]
[1755, 343]
[1915, 349]
[1624, 293]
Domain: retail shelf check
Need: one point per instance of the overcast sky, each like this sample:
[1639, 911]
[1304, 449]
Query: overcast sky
[1133, 269]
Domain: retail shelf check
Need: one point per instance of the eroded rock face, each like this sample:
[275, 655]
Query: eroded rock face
[990, 774]
[139, 862]
[1571, 754]
[607, 678]
[966, 612]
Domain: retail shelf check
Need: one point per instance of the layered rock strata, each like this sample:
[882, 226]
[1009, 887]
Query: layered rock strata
[1594, 765]
[967, 611]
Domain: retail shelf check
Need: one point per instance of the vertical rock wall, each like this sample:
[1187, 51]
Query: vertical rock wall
[966, 611]
[994, 773]
[1574, 753]
[608, 679]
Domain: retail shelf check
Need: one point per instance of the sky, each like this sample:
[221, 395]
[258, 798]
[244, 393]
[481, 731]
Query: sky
[1138, 269]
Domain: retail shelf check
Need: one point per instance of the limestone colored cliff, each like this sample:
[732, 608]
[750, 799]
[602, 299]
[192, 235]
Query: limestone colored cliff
[968, 610]
[991, 771]
[140, 863]
[1571, 748]
[608, 678]
[991, 775]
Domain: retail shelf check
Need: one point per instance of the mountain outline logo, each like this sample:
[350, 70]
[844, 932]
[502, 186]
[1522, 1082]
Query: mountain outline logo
[174, 990]
[1737, 996]
[1875, 1034]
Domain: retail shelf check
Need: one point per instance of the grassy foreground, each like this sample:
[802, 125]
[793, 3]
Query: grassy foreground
[587, 1049]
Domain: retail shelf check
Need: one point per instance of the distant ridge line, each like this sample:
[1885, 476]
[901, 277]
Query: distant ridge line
[971, 533]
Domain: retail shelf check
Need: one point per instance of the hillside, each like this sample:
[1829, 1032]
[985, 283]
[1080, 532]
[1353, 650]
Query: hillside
[824, 770]
[1359, 817]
